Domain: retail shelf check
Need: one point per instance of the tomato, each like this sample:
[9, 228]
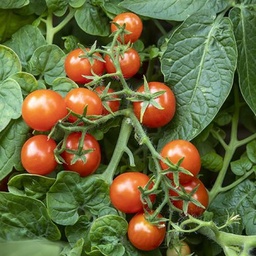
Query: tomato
[176, 150]
[154, 117]
[77, 66]
[129, 62]
[144, 235]
[201, 195]
[113, 103]
[87, 162]
[133, 25]
[124, 192]
[42, 109]
[181, 249]
[37, 155]
[77, 99]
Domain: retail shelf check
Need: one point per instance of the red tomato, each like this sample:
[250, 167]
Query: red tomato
[201, 195]
[154, 117]
[112, 103]
[79, 98]
[42, 109]
[144, 235]
[176, 150]
[181, 249]
[87, 162]
[129, 63]
[77, 66]
[124, 192]
[37, 155]
[133, 25]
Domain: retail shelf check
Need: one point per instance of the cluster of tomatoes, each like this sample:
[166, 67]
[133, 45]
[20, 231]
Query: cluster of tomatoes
[153, 104]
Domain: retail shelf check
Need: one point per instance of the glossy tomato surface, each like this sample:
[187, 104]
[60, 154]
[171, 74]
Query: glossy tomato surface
[124, 193]
[111, 101]
[201, 195]
[129, 62]
[181, 149]
[37, 155]
[144, 235]
[77, 65]
[155, 117]
[88, 160]
[42, 109]
[133, 25]
[79, 98]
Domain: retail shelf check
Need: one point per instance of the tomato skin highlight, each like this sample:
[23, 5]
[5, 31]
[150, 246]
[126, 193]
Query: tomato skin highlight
[77, 99]
[93, 158]
[76, 66]
[42, 109]
[129, 63]
[201, 195]
[37, 155]
[143, 235]
[124, 193]
[176, 150]
[154, 117]
[114, 105]
[133, 24]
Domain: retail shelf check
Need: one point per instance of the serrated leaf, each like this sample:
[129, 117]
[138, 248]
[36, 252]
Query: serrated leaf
[58, 7]
[9, 62]
[177, 10]
[241, 166]
[201, 79]
[244, 22]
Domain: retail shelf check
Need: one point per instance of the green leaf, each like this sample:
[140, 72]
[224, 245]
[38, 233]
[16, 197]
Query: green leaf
[250, 149]
[35, 186]
[22, 217]
[9, 62]
[63, 85]
[201, 79]
[11, 140]
[112, 8]
[22, 44]
[76, 3]
[58, 7]
[13, 4]
[244, 22]
[212, 161]
[177, 10]
[48, 61]
[71, 195]
[92, 20]
[241, 166]
[238, 200]
[106, 234]
[10, 102]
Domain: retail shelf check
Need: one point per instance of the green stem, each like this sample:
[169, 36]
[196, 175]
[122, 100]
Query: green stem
[121, 147]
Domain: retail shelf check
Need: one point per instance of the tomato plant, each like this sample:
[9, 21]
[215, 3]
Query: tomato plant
[37, 155]
[83, 101]
[79, 65]
[158, 110]
[184, 153]
[145, 235]
[84, 159]
[181, 249]
[132, 24]
[42, 109]
[125, 194]
[129, 61]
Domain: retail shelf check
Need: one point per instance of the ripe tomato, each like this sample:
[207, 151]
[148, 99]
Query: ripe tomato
[79, 98]
[144, 235]
[37, 155]
[87, 162]
[154, 117]
[133, 25]
[129, 63]
[176, 150]
[124, 192]
[112, 103]
[42, 109]
[77, 67]
[201, 195]
[181, 249]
